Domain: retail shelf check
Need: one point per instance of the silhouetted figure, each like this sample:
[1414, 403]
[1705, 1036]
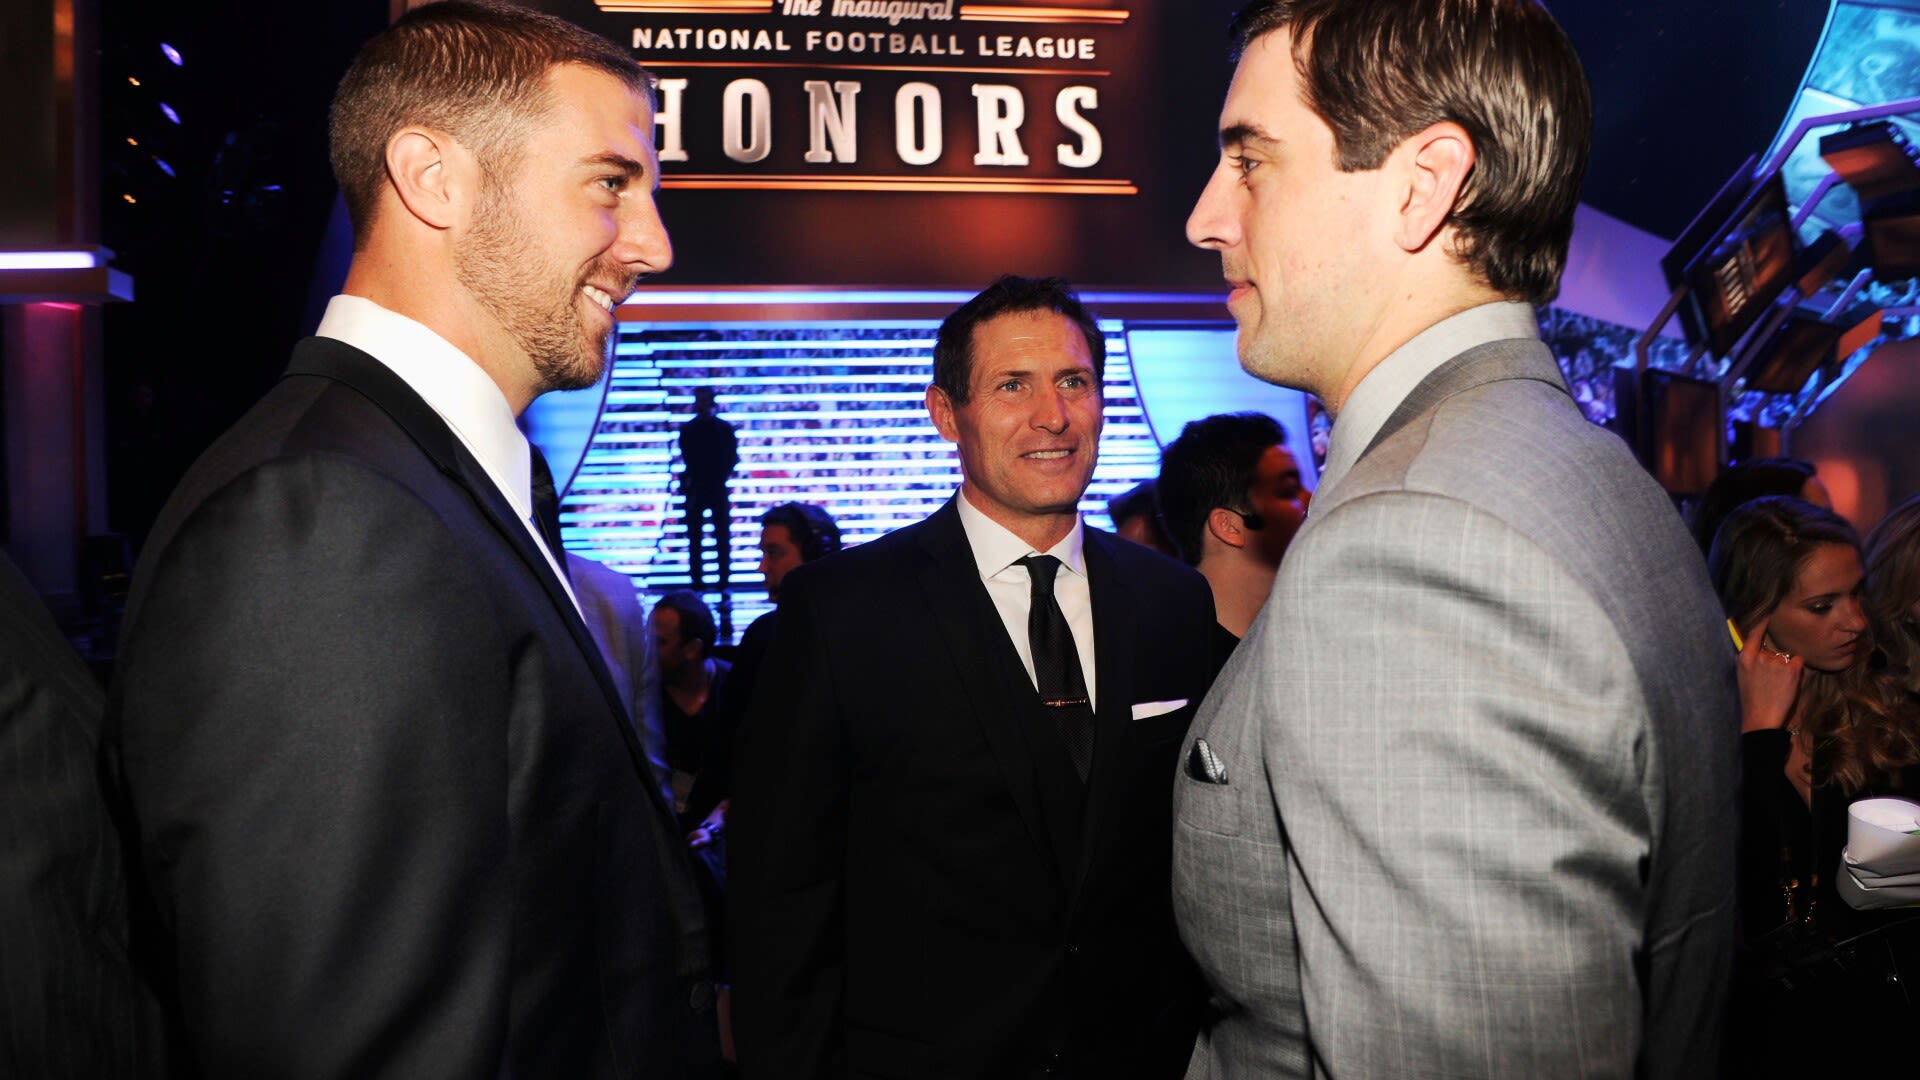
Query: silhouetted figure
[708, 451]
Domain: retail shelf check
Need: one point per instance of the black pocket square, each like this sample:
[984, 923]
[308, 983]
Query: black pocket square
[1204, 765]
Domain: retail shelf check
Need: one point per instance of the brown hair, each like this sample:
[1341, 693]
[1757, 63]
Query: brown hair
[474, 69]
[1893, 587]
[1381, 71]
[1864, 730]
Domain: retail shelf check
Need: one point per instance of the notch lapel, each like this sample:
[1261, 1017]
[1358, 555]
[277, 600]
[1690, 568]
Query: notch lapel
[977, 642]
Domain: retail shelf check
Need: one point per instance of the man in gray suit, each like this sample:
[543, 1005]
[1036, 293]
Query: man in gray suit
[1462, 804]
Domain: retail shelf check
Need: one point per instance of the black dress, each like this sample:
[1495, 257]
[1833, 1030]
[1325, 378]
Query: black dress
[1818, 986]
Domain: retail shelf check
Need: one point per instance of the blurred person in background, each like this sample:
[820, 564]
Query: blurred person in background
[1230, 496]
[1136, 517]
[1821, 727]
[1893, 592]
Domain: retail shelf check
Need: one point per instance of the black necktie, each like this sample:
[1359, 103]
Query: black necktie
[1056, 663]
[546, 509]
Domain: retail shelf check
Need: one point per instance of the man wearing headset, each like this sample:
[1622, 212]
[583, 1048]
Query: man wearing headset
[1231, 499]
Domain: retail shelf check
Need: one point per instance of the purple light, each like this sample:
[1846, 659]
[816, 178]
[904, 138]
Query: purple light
[164, 167]
[167, 110]
[171, 53]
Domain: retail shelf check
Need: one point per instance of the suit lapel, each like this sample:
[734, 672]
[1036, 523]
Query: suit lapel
[376, 382]
[1494, 361]
[1113, 645]
[976, 639]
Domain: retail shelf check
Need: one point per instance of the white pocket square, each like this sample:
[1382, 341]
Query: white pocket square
[1157, 708]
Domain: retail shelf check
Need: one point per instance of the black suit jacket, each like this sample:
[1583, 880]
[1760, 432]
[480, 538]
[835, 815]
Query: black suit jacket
[391, 813]
[70, 1004]
[914, 894]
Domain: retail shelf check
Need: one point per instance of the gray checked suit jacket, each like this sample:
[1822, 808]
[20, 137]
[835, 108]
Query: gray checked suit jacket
[1478, 813]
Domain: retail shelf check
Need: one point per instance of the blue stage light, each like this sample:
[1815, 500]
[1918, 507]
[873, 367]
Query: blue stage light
[171, 53]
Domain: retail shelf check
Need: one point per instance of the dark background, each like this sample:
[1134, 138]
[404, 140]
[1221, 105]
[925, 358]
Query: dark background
[223, 250]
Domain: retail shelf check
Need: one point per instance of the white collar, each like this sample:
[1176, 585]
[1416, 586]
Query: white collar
[1381, 390]
[455, 387]
[995, 547]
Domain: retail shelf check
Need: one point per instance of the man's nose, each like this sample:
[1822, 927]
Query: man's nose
[1212, 225]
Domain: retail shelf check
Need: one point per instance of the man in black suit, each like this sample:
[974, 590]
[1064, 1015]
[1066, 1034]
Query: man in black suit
[951, 805]
[391, 811]
[71, 1005]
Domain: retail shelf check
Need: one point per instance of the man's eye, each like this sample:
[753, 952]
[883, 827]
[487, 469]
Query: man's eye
[1244, 164]
[614, 184]
[1009, 386]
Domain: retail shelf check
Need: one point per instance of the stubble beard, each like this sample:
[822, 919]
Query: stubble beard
[537, 305]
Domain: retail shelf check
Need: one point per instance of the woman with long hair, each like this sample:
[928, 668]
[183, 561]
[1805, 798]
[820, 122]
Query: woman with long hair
[1893, 591]
[1821, 727]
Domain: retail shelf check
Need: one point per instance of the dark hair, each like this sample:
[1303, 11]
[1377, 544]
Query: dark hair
[1380, 71]
[1742, 483]
[1010, 295]
[1893, 587]
[1133, 502]
[1863, 730]
[1141, 501]
[696, 618]
[812, 529]
[474, 69]
[1211, 464]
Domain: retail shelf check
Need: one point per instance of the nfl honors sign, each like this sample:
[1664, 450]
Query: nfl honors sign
[902, 115]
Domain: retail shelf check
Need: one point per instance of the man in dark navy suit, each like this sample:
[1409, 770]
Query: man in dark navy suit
[951, 799]
[71, 1005]
[391, 811]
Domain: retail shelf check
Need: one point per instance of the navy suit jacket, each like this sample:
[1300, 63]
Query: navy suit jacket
[70, 1003]
[916, 893]
[392, 815]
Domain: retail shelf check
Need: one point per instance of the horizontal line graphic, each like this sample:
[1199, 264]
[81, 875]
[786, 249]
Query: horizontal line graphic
[1094, 73]
[986, 185]
[1002, 13]
[689, 7]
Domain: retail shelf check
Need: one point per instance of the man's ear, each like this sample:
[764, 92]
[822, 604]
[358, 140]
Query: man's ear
[429, 172]
[940, 407]
[1436, 163]
[1226, 527]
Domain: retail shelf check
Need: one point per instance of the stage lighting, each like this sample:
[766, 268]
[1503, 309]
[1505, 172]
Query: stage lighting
[1875, 160]
[1890, 230]
[1828, 257]
[1788, 359]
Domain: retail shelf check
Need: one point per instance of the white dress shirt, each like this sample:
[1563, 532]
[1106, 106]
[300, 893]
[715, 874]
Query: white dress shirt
[998, 553]
[1381, 391]
[454, 387]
